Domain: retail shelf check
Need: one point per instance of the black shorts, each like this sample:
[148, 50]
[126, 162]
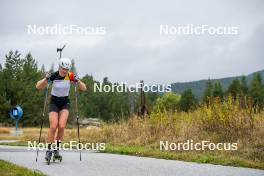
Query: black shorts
[59, 103]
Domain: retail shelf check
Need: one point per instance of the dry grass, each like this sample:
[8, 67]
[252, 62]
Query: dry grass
[219, 122]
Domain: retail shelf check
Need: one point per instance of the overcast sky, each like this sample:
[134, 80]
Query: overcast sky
[132, 47]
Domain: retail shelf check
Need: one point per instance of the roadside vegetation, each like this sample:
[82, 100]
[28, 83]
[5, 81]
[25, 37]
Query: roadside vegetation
[9, 169]
[233, 115]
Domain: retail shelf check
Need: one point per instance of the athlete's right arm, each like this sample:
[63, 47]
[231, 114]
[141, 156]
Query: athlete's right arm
[45, 81]
[42, 83]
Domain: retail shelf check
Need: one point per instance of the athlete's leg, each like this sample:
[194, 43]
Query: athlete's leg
[63, 117]
[53, 120]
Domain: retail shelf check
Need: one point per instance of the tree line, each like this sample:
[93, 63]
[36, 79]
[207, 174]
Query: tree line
[18, 76]
[248, 94]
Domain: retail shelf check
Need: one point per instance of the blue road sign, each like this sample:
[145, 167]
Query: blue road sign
[16, 113]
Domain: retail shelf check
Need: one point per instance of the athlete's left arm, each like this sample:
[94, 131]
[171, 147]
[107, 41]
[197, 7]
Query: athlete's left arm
[74, 77]
[81, 85]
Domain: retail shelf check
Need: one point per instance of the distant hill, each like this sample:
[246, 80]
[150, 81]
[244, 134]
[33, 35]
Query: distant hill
[199, 86]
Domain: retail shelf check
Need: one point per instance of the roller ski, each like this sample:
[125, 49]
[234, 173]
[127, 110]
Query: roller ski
[57, 156]
[48, 156]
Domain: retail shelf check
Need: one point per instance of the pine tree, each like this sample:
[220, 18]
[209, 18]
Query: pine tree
[28, 78]
[187, 101]
[256, 91]
[234, 89]
[218, 91]
[13, 68]
[244, 86]
[5, 104]
[207, 95]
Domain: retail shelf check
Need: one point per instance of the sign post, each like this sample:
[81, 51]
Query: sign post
[16, 114]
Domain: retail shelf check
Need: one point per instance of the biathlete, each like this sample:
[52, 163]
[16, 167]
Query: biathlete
[59, 103]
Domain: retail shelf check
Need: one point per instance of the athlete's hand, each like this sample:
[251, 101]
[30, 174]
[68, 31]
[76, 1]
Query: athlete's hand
[76, 78]
[47, 76]
[50, 76]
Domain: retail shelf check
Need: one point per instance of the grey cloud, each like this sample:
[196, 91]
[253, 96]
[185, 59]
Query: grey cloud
[132, 49]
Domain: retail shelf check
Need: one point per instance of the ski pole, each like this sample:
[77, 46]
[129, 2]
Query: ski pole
[77, 117]
[42, 119]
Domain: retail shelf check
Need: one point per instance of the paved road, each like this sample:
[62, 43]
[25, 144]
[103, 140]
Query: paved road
[117, 165]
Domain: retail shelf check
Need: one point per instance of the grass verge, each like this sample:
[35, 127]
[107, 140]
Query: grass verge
[10, 169]
[190, 156]
[128, 139]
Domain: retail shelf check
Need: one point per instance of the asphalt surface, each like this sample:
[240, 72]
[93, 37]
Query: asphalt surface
[102, 164]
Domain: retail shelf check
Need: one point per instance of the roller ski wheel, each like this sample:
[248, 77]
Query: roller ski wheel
[57, 156]
[48, 156]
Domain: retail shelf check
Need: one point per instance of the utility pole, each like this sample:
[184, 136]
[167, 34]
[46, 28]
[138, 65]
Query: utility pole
[143, 109]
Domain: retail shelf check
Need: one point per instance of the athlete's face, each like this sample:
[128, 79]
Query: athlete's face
[63, 72]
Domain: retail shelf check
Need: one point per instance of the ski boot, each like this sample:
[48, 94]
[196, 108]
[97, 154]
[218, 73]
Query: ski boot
[48, 156]
[57, 156]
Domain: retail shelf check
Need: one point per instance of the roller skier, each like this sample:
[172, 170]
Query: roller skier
[59, 104]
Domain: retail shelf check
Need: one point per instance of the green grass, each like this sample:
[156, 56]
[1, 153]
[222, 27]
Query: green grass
[191, 156]
[9, 169]
[17, 143]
